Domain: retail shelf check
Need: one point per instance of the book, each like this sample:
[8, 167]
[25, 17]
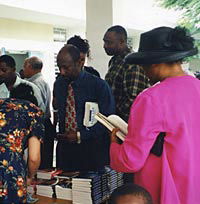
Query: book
[91, 108]
[63, 189]
[47, 173]
[45, 187]
[67, 175]
[114, 121]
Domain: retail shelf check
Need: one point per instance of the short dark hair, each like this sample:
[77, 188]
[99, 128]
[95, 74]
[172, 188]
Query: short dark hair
[25, 92]
[81, 44]
[35, 63]
[119, 30]
[10, 62]
[72, 50]
[130, 189]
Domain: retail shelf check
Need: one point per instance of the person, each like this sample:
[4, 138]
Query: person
[171, 172]
[9, 79]
[21, 73]
[21, 126]
[80, 147]
[24, 92]
[125, 80]
[130, 194]
[32, 72]
[84, 47]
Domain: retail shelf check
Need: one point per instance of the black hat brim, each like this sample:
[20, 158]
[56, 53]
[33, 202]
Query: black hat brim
[158, 57]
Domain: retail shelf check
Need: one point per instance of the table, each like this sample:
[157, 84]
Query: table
[46, 200]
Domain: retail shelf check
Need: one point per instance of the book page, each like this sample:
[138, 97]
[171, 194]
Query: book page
[110, 125]
[118, 122]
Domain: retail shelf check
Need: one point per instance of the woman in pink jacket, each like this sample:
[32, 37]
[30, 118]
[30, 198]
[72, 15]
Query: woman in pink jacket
[162, 144]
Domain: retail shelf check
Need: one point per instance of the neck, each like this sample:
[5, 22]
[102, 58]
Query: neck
[172, 71]
[11, 82]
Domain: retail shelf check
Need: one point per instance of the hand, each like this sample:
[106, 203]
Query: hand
[114, 138]
[70, 136]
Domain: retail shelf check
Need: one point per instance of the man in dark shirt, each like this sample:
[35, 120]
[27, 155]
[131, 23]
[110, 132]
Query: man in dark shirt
[126, 80]
[80, 147]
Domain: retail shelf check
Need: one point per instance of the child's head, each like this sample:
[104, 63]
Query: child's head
[130, 194]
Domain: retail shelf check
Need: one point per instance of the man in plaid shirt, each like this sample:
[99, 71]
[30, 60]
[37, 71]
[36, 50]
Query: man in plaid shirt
[126, 80]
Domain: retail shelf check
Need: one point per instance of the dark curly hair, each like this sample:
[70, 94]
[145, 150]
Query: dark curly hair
[25, 92]
[81, 44]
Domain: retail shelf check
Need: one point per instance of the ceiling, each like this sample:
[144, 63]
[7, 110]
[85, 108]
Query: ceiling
[39, 17]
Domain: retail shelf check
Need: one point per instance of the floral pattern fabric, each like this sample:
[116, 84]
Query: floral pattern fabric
[19, 120]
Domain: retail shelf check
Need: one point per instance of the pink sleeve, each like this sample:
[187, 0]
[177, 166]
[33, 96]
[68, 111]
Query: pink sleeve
[144, 125]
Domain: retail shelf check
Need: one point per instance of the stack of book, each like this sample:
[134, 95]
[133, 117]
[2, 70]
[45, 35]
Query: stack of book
[95, 187]
[86, 188]
[63, 189]
[45, 187]
[114, 179]
[55, 183]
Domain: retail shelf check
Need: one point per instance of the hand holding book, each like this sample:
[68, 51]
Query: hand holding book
[114, 137]
[119, 129]
[114, 122]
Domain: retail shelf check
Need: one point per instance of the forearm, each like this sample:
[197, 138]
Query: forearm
[33, 156]
[33, 167]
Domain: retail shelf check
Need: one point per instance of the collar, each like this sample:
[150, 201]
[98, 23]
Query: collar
[123, 54]
[77, 82]
[17, 81]
[35, 76]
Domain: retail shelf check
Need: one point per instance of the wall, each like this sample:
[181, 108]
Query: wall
[98, 19]
[26, 36]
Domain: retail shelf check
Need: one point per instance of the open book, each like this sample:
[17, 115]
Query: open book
[114, 121]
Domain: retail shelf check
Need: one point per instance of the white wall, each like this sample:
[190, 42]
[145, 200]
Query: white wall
[98, 19]
[25, 36]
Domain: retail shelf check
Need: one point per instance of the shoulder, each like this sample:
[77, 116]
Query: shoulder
[93, 80]
[23, 81]
[60, 82]
[156, 91]
[92, 71]
[20, 105]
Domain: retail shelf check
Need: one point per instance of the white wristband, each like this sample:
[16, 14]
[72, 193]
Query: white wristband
[78, 137]
[55, 110]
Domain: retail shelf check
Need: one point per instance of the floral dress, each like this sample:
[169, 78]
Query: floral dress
[19, 120]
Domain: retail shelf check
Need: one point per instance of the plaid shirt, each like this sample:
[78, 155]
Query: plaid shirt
[126, 82]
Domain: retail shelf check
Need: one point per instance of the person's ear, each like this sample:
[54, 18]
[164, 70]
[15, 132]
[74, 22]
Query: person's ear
[79, 62]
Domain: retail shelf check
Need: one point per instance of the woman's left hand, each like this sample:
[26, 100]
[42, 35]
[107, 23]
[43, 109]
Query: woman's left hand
[113, 137]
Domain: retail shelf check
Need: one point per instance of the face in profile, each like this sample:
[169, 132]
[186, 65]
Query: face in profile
[130, 199]
[6, 73]
[111, 43]
[27, 69]
[152, 72]
[68, 68]
[82, 58]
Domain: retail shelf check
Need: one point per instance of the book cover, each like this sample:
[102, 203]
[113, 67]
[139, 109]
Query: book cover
[91, 108]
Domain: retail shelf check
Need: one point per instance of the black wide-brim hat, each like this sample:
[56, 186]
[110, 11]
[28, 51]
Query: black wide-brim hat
[163, 44]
